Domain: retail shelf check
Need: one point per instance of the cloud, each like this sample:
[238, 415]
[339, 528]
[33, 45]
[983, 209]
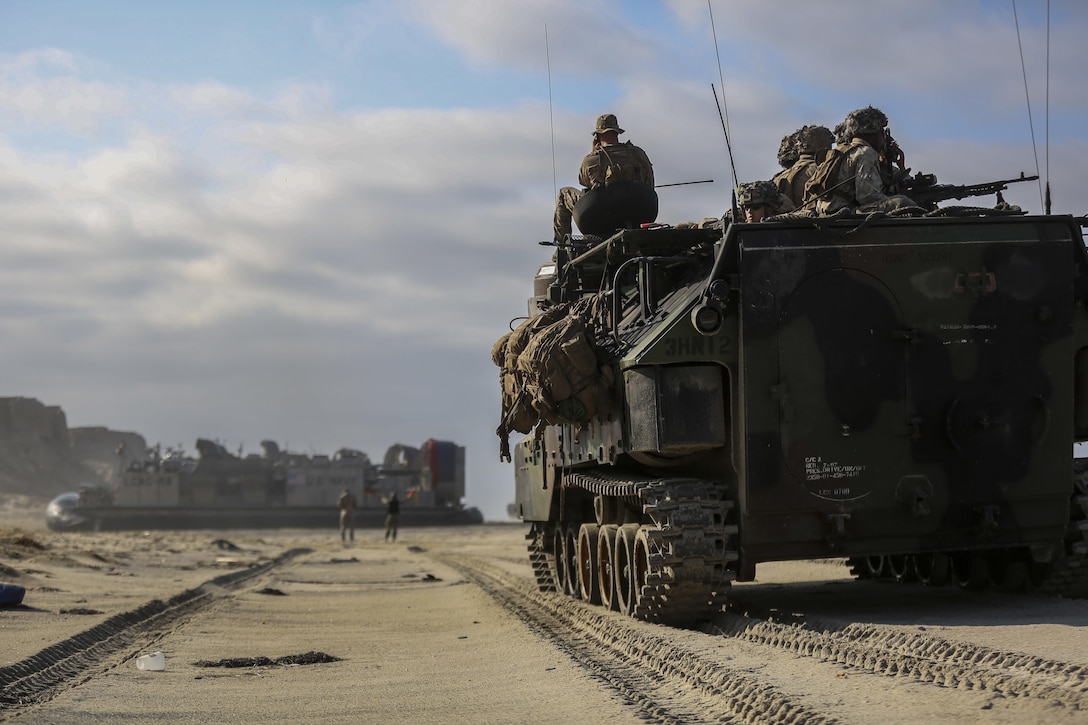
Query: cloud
[590, 38]
[45, 87]
[191, 257]
[216, 99]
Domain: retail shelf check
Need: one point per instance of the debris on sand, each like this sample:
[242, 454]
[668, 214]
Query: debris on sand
[17, 544]
[272, 592]
[81, 610]
[309, 658]
[428, 577]
[226, 545]
[11, 595]
[18, 537]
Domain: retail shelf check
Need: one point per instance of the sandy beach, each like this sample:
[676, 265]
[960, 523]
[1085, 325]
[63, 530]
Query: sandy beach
[415, 644]
[445, 625]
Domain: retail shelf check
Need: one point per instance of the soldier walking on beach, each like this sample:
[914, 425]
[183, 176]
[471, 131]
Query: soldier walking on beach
[347, 516]
[392, 517]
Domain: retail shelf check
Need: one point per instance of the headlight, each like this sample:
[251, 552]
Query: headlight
[706, 319]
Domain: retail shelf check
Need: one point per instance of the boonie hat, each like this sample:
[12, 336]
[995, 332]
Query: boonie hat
[607, 122]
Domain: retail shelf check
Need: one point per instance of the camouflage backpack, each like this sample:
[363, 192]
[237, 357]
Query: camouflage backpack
[550, 372]
[827, 171]
[618, 162]
[784, 180]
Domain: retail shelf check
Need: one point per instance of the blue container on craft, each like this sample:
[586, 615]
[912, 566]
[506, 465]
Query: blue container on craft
[11, 594]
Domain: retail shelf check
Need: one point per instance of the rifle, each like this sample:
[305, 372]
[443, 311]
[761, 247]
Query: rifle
[924, 190]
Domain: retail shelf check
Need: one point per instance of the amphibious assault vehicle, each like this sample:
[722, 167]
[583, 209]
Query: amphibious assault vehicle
[905, 393]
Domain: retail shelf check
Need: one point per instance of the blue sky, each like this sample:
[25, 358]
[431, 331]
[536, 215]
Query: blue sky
[308, 221]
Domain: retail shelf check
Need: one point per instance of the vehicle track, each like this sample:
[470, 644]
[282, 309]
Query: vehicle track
[921, 657]
[648, 663]
[40, 677]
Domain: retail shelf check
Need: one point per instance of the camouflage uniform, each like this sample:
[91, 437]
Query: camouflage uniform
[347, 505]
[858, 183]
[765, 193]
[604, 165]
[788, 154]
[813, 143]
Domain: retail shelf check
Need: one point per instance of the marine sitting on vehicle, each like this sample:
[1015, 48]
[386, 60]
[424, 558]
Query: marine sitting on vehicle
[760, 200]
[609, 162]
[812, 145]
[849, 178]
[788, 154]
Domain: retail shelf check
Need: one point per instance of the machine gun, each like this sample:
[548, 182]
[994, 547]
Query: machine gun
[923, 189]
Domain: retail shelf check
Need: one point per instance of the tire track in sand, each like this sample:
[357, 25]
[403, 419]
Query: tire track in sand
[648, 656]
[924, 658]
[647, 664]
[76, 659]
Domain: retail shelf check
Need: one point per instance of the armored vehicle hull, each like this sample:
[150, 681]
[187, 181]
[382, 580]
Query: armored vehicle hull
[905, 393]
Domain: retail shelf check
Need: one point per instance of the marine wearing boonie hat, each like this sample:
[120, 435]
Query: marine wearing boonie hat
[608, 164]
[606, 123]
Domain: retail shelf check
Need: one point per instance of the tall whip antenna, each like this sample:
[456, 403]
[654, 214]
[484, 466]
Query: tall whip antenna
[1027, 98]
[551, 114]
[723, 116]
[1046, 134]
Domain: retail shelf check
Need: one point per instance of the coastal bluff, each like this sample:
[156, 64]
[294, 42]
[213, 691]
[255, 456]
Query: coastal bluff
[41, 456]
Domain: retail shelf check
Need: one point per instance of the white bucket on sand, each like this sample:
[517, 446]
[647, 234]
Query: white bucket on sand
[154, 662]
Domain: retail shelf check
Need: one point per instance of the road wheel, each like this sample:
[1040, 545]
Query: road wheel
[1009, 570]
[624, 567]
[874, 567]
[901, 566]
[571, 548]
[589, 587]
[562, 560]
[933, 569]
[969, 570]
[641, 603]
[606, 577]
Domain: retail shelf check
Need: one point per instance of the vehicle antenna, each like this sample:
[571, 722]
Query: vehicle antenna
[1027, 98]
[1046, 115]
[684, 183]
[551, 114]
[723, 116]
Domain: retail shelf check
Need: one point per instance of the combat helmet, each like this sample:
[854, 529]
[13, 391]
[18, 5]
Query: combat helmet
[607, 122]
[865, 120]
[755, 193]
[840, 133]
[788, 151]
[811, 139]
